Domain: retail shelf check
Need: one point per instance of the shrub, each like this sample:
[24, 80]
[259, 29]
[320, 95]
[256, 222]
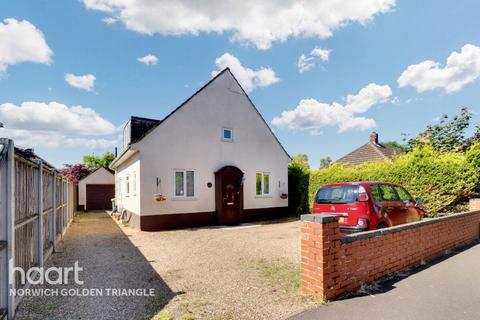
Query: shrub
[298, 180]
[442, 179]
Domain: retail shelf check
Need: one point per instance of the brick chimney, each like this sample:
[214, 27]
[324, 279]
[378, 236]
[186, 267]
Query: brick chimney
[374, 137]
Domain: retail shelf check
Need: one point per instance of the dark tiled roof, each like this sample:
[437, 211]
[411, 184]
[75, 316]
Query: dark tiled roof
[140, 126]
[370, 151]
[28, 154]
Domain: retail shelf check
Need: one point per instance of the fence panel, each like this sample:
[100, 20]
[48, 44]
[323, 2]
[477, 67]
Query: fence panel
[36, 208]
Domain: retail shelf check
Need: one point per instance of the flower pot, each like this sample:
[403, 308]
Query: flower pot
[284, 196]
[159, 197]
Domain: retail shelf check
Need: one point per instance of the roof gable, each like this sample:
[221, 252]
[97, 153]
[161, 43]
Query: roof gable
[99, 170]
[370, 151]
[225, 72]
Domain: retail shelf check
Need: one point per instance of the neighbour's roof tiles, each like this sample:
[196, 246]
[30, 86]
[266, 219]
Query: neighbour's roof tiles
[371, 151]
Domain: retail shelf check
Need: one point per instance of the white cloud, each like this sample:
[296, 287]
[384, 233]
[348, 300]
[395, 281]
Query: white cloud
[461, 68]
[248, 78]
[323, 54]
[149, 59]
[312, 115]
[85, 82]
[54, 117]
[307, 62]
[109, 20]
[261, 23]
[27, 139]
[21, 41]
[54, 125]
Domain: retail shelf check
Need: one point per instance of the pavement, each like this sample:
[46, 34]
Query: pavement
[447, 289]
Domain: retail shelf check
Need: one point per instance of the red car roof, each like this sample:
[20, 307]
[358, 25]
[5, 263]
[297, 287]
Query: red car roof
[359, 183]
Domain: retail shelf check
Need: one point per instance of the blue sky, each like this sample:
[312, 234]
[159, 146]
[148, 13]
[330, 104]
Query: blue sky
[375, 48]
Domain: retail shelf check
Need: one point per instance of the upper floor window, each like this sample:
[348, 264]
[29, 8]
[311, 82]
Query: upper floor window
[227, 134]
[185, 183]
[127, 185]
[262, 184]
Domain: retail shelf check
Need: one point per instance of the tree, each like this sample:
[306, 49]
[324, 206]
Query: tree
[447, 135]
[75, 172]
[298, 183]
[94, 162]
[325, 162]
[393, 143]
[301, 160]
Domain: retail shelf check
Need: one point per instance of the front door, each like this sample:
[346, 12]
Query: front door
[229, 195]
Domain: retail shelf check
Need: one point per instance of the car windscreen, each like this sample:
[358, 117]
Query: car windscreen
[337, 194]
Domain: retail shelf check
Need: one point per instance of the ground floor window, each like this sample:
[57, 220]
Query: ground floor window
[184, 183]
[262, 183]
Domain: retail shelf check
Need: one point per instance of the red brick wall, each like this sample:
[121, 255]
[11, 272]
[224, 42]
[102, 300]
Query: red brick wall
[333, 264]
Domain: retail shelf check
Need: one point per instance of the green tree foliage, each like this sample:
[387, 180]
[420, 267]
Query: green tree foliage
[394, 144]
[447, 135]
[443, 179]
[325, 162]
[93, 162]
[298, 180]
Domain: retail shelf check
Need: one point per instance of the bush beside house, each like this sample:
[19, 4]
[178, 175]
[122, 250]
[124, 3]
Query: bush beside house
[298, 181]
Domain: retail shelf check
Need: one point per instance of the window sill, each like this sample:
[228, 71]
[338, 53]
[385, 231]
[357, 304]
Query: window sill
[265, 196]
[184, 199]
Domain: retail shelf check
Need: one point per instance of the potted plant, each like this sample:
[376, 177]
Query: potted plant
[159, 197]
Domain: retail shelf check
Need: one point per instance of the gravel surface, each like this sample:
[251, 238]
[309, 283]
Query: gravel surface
[243, 272]
[110, 261]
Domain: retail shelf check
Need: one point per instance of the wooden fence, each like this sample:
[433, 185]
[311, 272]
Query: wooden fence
[36, 207]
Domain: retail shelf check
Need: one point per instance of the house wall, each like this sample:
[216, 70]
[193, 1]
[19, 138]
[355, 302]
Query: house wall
[101, 176]
[333, 265]
[128, 200]
[191, 139]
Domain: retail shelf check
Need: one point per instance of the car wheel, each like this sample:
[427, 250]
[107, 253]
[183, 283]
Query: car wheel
[382, 225]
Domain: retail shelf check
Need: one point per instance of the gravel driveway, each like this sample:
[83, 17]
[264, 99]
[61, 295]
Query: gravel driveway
[243, 272]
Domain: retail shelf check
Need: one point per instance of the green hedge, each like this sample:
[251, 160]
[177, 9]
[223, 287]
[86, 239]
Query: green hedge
[298, 180]
[443, 180]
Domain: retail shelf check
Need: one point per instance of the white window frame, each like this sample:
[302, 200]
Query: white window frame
[185, 196]
[263, 194]
[127, 185]
[134, 183]
[223, 134]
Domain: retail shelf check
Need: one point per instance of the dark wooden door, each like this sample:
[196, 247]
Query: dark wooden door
[229, 195]
[98, 196]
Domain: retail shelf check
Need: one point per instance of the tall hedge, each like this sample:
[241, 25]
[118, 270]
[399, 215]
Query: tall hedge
[298, 180]
[443, 180]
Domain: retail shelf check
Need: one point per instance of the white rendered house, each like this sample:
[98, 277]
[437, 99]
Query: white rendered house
[212, 160]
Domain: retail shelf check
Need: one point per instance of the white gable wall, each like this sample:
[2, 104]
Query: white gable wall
[191, 139]
[100, 176]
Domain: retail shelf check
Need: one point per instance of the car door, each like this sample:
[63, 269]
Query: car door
[408, 205]
[392, 207]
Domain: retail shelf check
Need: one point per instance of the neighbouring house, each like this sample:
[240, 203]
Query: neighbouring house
[213, 160]
[96, 190]
[370, 151]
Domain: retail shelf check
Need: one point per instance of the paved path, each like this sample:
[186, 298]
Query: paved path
[109, 260]
[449, 289]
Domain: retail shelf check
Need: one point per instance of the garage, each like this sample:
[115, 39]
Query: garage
[98, 196]
[96, 190]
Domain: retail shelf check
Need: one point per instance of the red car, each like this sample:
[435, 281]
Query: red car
[367, 205]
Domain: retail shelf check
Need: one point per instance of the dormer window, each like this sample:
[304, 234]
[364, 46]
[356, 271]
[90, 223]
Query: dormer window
[227, 134]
